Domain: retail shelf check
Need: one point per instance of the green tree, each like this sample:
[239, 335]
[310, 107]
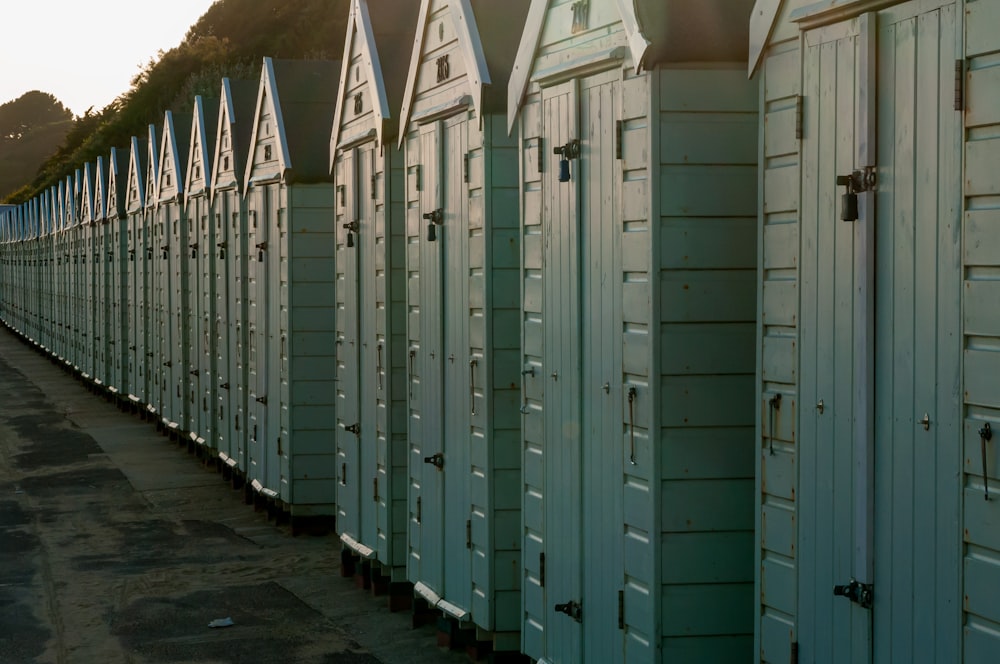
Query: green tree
[31, 129]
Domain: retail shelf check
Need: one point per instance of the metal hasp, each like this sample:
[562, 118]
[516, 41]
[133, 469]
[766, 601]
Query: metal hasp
[436, 460]
[857, 592]
[353, 428]
[434, 217]
[351, 228]
[985, 435]
[856, 182]
[261, 248]
[572, 609]
[570, 150]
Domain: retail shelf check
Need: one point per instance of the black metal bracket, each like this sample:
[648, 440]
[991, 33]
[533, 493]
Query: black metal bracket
[436, 460]
[570, 150]
[985, 435]
[353, 428]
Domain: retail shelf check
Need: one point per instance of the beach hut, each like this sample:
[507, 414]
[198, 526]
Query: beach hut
[76, 321]
[60, 250]
[155, 266]
[200, 256]
[290, 289]
[462, 331]
[371, 299]
[172, 277]
[877, 233]
[121, 261]
[138, 273]
[638, 134]
[103, 266]
[236, 118]
[90, 270]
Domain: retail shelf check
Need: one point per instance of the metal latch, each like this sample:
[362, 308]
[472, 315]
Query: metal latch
[856, 182]
[435, 217]
[570, 150]
[857, 592]
[571, 609]
[436, 460]
[353, 428]
[261, 248]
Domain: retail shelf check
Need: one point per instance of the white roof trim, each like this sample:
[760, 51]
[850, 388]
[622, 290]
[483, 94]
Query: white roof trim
[198, 134]
[152, 168]
[469, 43]
[637, 42]
[522, 63]
[134, 161]
[359, 26]
[268, 90]
[763, 19]
[169, 141]
[226, 113]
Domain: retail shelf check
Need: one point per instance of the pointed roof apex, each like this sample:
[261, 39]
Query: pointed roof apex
[488, 56]
[204, 125]
[385, 31]
[300, 96]
[237, 101]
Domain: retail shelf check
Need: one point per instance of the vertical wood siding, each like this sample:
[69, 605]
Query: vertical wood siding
[981, 327]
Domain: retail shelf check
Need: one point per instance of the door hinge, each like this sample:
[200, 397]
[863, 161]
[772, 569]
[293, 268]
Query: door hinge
[619, 129]
[375, 491]
[541, 569]
[373, 181]
[419, 510]
[798, 117]
[959, 85]
[621, 609]
[465, 166]
[468, 533]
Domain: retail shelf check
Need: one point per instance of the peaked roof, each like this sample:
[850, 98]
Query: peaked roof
[100, 193]
[152, 163]
[117, 190]
[70, 200]
[384, 30]
[236, 106]
[655, 31]
[135, 186]
[204, 125]
[489, 55]
[174, 145]
[301, 95]
[86, 194]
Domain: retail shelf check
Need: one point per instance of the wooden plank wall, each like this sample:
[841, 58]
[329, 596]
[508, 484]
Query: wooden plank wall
[981, 242]
[777, 328]
[707, 255]
[308, 356]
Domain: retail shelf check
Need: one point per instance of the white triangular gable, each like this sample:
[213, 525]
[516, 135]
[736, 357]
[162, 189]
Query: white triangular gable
[169, 178]
[58, 217]
[470, 45]
[152, 168]
[100, 199]
[224, 161]
[269, 155]
[135, 198]
[198, 171]
[71, 200]
[361, 36]
[638, 45]
[87, 214]
[112, 210]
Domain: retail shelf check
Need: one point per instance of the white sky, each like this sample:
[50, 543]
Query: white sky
[86, 53]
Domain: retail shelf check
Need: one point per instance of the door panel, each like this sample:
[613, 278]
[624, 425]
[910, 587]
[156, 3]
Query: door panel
[349, 390]
[918, 339]
[368, 342]
[880, 341]
[561, 365]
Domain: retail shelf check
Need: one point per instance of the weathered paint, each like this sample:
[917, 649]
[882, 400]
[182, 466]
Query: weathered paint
[290, 288]
[371, 279]
[461, 303]
[638, 309]
[866, 491]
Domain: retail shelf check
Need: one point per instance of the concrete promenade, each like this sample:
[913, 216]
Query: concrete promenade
[116, 545]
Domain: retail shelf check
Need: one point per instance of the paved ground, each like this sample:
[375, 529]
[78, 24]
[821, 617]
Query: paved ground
[117, 546]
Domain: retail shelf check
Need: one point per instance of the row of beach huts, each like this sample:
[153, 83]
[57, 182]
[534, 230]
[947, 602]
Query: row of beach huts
[612, 330]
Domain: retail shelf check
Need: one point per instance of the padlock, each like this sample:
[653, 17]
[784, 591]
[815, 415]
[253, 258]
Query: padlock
[431, 232]
[350, 240]
[849, 206]
[564, 170]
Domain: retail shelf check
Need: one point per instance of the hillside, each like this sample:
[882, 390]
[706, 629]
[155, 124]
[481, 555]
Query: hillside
[32, 127]
[228, 40]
